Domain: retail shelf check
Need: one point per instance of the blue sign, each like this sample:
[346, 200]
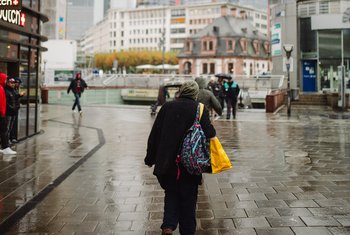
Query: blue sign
[61, 19]
[309, 75]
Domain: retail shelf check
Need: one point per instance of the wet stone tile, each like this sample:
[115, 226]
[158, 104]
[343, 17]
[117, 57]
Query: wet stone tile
[261, 212]
[258, 222]
[244, 231]
[294, 212]
[343, 220]
[271, 203]
[281, 196]
[229, 213]
[301, 203]
[274, 231]
[285, 221]
[319, 221]
[311, 231]
[252, 196]
[242, 204]
[339, 231]
[217, 224]
[337, 202]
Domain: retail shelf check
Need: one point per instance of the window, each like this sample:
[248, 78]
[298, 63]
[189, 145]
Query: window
[211, 46]
[204, 46]
[205, 68]
[212, 68]
[230, 68]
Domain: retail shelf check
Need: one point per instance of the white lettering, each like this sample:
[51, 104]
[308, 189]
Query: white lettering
[12, 16]
[5, 2]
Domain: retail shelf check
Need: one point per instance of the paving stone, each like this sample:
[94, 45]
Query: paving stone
[274, 231]
[252, 196]
[271, 203]
[285, 221]
[319, 221]
[261, 212]
[257, 222]
[217, 224]
[229, 213]
[311, 231]
[343, 220]
[282, 196]
[301, 203]
[339, 231]
[294, 212]
[245, 231]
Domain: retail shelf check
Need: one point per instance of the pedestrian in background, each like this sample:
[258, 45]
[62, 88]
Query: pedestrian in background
[231, 91]
[164, 142]
[12, 107]
[3, 123]
[216, 88]
[19, 94]
[207, 97]
[78, 85]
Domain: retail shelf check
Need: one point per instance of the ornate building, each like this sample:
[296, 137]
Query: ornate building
[228, 45]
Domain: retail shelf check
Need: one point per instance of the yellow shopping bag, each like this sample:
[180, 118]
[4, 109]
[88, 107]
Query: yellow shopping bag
[219, 159]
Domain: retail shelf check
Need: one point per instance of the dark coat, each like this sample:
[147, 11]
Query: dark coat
[207, 97]
[172, 122]
[12, 103]
[73, 86]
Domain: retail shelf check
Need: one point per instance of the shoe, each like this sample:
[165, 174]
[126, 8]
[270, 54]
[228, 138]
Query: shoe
[167, 231]
[14, 141]
[8, 150]
[80, 112]
[74, 111]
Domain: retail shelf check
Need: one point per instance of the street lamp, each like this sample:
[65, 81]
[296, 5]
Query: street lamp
[288, 48]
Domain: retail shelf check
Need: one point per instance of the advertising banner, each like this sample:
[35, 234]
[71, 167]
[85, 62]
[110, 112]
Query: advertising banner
[63, 75]
[276, 40]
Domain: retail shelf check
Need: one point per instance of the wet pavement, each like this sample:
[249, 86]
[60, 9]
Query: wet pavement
[85, 175]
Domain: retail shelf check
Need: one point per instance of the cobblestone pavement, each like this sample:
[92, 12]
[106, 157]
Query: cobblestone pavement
[85, 175]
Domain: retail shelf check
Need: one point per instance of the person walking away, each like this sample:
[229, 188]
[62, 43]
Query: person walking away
[78, 85]
[164, 142]
[163, 94]
[231, 92]
[207, 97]
[3, 123]
[11, 106]
[216, 88]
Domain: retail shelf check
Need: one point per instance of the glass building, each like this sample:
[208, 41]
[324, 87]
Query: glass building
[20, 39]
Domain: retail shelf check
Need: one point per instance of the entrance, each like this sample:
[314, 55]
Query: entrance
[309, 75]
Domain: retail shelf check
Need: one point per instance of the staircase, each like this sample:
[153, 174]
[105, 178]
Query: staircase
[311, 99]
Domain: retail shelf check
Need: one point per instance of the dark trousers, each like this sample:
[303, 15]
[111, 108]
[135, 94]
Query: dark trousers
[3, 133]
[180, 206]
[10, 125]
[13, 134]
[231, 105]
[77, 101]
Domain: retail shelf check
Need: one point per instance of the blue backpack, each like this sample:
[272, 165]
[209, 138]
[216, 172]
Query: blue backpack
[194, 154]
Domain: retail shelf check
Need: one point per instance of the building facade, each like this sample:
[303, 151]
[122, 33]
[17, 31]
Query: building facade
[320, 33]
[152, 28]
[20, 49]
[230, 44]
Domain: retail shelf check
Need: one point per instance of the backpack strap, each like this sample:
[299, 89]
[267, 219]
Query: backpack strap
[201, 106]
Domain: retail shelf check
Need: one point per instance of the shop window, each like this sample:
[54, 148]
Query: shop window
[9, 51]
[308, 39]
[330, 44]
[230, 68]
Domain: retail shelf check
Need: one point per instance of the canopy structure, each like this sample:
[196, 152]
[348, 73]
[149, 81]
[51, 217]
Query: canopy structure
[146, 66]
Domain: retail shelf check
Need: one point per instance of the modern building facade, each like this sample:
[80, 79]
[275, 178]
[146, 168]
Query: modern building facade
[20, 55]
[79, 18]
[230, 44]
[320, 33]
[56, 27]
[152, 28]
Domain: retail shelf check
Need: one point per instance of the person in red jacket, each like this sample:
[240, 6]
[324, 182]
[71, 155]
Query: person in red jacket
[3, 123]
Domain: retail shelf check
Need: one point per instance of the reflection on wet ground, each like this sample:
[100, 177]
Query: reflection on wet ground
[112, 192]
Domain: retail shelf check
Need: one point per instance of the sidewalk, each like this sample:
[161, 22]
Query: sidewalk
[85, 175]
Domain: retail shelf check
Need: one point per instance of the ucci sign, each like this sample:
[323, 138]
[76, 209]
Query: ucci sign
[10, 12]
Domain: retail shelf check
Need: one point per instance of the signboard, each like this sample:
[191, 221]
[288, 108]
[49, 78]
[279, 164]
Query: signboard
[63, 75]
[10, 12]
[309, 75]
[10, 4]
[331, 21]
[276, 40]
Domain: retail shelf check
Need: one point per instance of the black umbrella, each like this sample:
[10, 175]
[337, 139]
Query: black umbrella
[224, 76]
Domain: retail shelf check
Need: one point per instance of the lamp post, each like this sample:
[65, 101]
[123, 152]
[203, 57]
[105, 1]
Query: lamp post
[288, 48]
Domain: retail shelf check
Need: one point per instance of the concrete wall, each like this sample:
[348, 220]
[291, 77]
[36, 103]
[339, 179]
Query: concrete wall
[286, 15]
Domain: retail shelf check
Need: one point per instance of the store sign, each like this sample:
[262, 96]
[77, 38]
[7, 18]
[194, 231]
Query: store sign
[10, 12]
[13, 17]
[276, 40]
[10, 4]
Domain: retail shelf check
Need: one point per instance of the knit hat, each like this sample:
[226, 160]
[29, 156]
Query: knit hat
[189, 89]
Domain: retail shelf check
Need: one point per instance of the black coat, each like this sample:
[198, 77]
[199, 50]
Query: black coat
[168, 131]
[12, 101]
[73, 86]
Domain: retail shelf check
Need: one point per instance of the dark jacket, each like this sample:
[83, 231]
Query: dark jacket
[231, 89]
[207, 97]
[73, 86]
[172, 122]
[12, 104]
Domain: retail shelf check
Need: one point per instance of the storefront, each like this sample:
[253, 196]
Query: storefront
[324, 45]
[20, 39]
